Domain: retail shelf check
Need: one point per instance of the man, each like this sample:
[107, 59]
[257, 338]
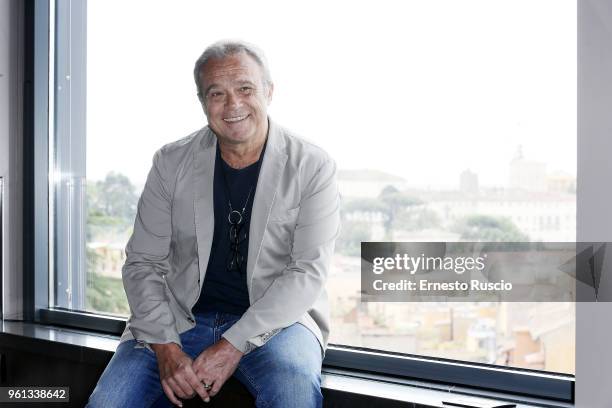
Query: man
[226, 268]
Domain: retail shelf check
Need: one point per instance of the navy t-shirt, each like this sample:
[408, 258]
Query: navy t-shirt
[226, 290]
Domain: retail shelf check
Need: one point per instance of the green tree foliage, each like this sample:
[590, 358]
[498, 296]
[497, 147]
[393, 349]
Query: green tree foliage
[116, 197]
[395, 202]
[352, 234]
[105, 294]
[365, 205]
[111, 207]
[111, 210]
[417, 220]
[388, 204]
[487, 228]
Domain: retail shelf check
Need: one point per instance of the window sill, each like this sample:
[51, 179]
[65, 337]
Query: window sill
[94, 348]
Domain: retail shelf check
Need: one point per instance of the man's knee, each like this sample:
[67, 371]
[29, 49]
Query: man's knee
[129, 394]
[286, 371]
[292, 383]
[104, 398]
[303, 379]
[130, 379]
[296, 388]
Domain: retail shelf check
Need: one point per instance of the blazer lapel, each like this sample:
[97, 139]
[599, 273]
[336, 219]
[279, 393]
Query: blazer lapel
[269, 175]
[203, 207]
[274, 161]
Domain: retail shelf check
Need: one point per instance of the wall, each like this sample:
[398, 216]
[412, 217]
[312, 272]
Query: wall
[11, 147]
[594, 223]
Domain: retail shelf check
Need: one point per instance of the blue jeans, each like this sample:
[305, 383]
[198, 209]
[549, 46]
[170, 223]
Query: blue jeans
[285, 372]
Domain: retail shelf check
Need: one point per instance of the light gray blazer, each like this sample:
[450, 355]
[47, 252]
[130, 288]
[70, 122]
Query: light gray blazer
[295, 222]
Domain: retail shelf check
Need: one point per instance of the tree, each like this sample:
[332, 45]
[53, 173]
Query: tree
[352, 234]
[387, 205]
[417, 220]
[115, 196]
[395, 202]
[489, 229]
[106, 294]
[111, 206]
[111, 210]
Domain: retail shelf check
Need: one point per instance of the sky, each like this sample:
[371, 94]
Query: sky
[422, 89]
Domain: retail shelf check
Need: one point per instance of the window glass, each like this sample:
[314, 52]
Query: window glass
[465, 109]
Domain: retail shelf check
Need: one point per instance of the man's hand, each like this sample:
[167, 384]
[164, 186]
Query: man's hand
[216, 364]
[176, 374]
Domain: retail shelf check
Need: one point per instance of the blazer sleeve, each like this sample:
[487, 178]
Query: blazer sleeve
[147, 262]
[301, 282]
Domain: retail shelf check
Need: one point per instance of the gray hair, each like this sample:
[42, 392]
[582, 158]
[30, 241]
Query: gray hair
[225, 48]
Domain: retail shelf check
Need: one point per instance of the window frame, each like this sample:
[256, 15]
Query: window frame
[39, 110]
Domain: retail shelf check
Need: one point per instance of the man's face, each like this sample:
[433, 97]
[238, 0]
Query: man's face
[235, 98]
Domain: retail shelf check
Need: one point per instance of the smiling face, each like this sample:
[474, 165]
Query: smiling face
[235, 99]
